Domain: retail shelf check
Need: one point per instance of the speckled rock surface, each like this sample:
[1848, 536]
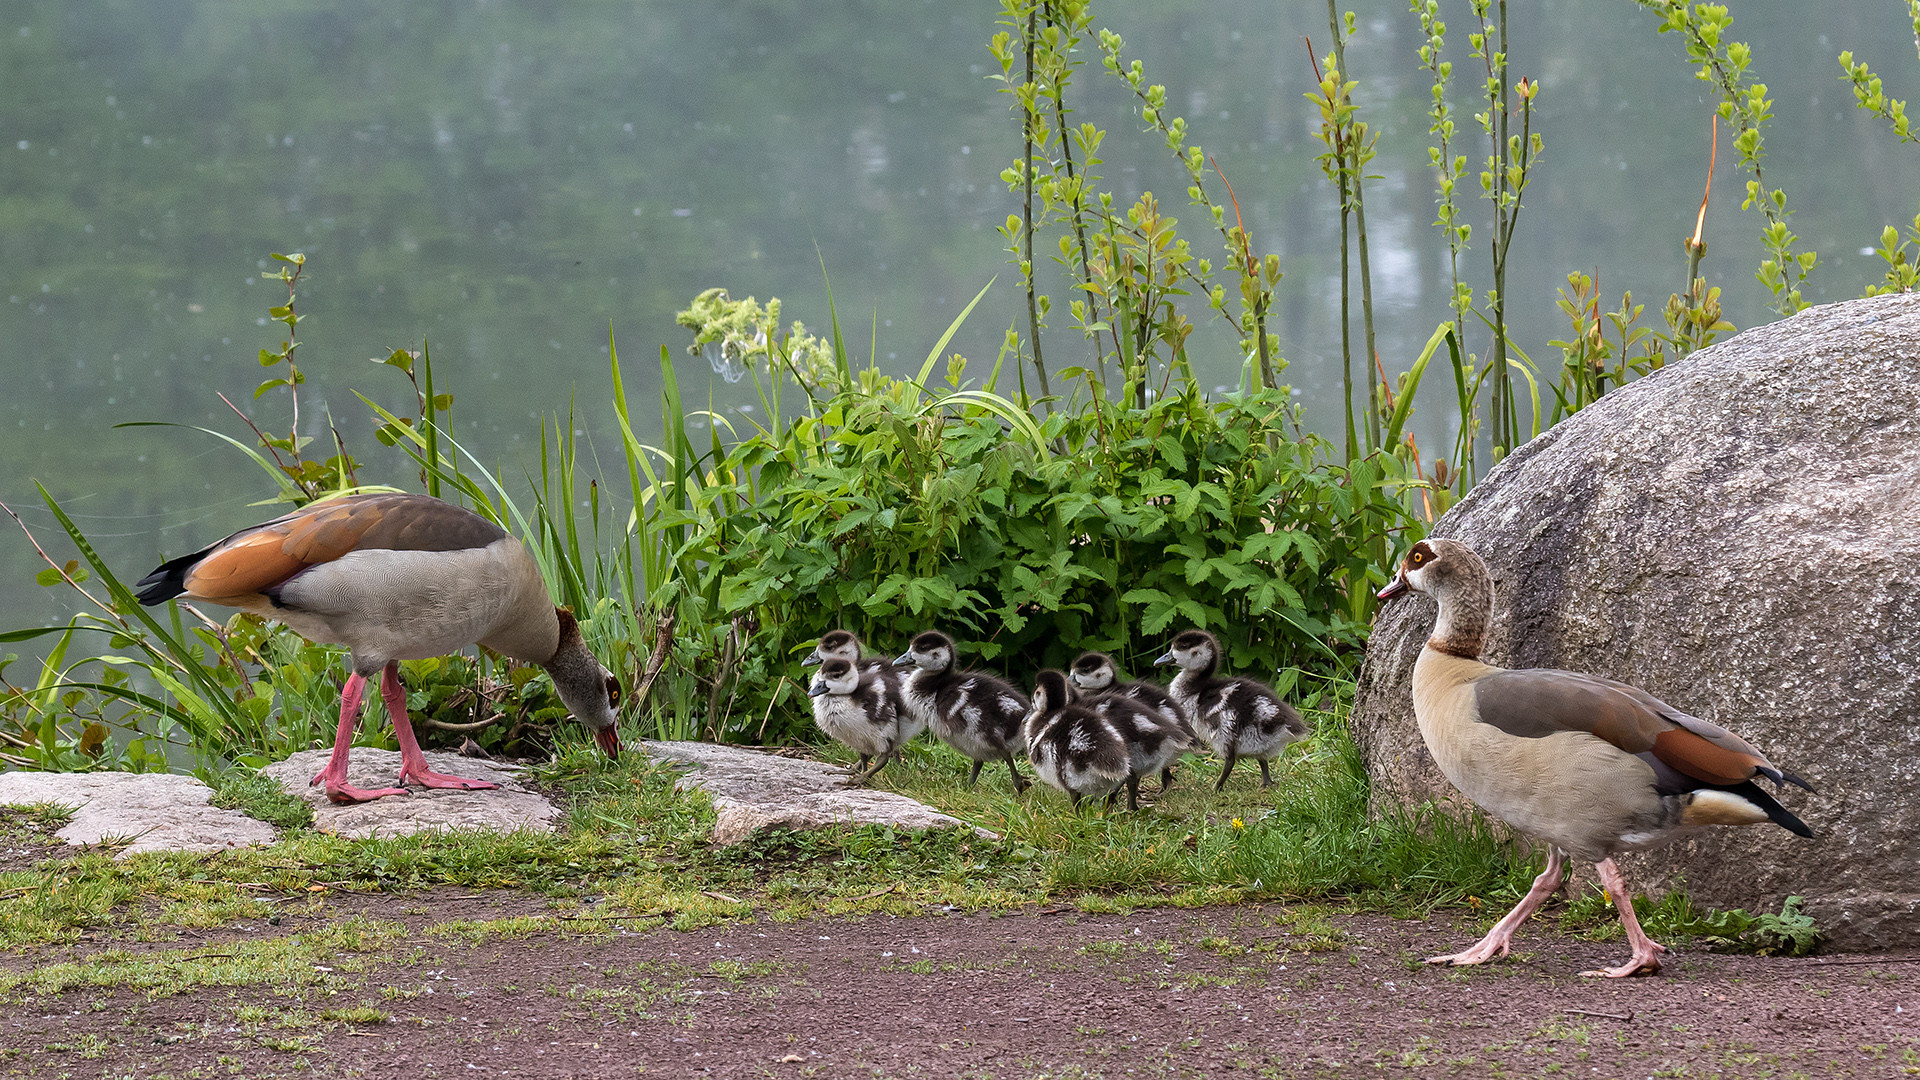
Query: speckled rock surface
[159, 811]
[510, 806]
[1740, 535]
[753, 791]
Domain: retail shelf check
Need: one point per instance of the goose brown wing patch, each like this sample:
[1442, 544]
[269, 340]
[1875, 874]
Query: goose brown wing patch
[1704, 760]
[258, 558]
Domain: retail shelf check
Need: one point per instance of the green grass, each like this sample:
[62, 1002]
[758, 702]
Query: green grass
[632, 852]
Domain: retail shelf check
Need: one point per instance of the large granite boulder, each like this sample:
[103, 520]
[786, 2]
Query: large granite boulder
[1740, 535]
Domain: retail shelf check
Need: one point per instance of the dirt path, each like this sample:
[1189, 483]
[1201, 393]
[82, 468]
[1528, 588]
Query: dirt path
[1256, 990]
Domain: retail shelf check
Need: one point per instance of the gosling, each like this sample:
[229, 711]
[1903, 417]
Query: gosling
[841, 644]
[971, 711]
[1238, 717]
[1072, 747]
[857, 711]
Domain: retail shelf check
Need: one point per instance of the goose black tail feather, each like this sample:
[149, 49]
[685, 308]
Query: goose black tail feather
[167, 580]
[1780, 815]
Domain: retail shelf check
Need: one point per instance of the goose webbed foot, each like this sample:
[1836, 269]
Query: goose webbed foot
[1500, 938]
[1646, 951]
[413, 763]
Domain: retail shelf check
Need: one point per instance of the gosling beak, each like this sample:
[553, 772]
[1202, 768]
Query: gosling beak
[609, 740]
[1165, 658]
[905, 659]
[817, 689]
[1393, 588]
[812, 659]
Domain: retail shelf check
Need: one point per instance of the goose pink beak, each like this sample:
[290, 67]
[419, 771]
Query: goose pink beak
[609, 740]
[1393, 588]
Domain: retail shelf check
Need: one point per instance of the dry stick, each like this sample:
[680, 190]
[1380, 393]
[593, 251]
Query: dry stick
[1606, 1016]
[1248, 266]
[1026, 174]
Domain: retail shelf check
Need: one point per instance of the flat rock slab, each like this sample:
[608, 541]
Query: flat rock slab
[506, 808]
[159, 811]
[753, 791]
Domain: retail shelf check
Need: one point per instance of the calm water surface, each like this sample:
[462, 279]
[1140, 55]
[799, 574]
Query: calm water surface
[511, 182]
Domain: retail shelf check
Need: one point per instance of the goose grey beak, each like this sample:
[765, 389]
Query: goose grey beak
[812, 659]
[817, 689]
[1165, 658]
[905, 660]
[1393, 588]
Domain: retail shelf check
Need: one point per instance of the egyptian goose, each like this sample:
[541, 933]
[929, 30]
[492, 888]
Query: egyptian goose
[1238, 717]
[1072, 747]
[859, 711]
[1591, 766]
[396, 577]
[842, 644]
[971, 711]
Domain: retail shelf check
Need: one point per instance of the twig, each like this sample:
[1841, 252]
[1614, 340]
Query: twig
[1604, 1016]
[1858, 963]
[475, 726]
[869, 896]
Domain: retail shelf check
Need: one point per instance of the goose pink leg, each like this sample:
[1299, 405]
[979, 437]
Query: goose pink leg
[1646, 951]
[1500, 938]
[413, 764]
[335, 774]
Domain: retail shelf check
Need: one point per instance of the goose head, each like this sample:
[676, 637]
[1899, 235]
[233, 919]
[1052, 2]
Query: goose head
[836, 676]
[588, 690]
[1192, 650]
[931, 651]
[1050, 695]
[1093, 672]
[1455, 576]
[834, 643]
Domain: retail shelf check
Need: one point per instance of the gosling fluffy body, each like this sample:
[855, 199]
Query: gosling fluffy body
[1072, 747]
[1237, 717]
[855, 709]
[973, 712]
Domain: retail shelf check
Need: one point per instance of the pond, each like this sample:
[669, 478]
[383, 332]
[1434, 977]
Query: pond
[512, 184]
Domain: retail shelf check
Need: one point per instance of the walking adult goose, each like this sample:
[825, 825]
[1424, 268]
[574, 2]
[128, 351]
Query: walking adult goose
[1591, 766]
[971, 711]
[396, 577]
[1237, 717]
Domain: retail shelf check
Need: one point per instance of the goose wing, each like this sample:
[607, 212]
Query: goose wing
[257, 558]
[1536, 702]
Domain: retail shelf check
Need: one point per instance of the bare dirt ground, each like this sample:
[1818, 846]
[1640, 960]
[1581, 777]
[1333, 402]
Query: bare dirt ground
[1264, 990]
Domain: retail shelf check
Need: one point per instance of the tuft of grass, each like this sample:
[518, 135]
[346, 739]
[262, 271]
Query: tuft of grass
[260, 797]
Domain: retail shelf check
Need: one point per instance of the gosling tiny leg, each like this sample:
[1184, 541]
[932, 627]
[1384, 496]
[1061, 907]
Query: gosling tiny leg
[1226, 771]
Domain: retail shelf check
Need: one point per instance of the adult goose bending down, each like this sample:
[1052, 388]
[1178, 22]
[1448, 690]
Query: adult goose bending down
[1591, 766]
[971, 711]
[1238, 717]
[396, 577]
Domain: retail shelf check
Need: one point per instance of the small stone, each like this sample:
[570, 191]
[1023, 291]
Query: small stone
[506, 808]
[156, 811]
[754, 791]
